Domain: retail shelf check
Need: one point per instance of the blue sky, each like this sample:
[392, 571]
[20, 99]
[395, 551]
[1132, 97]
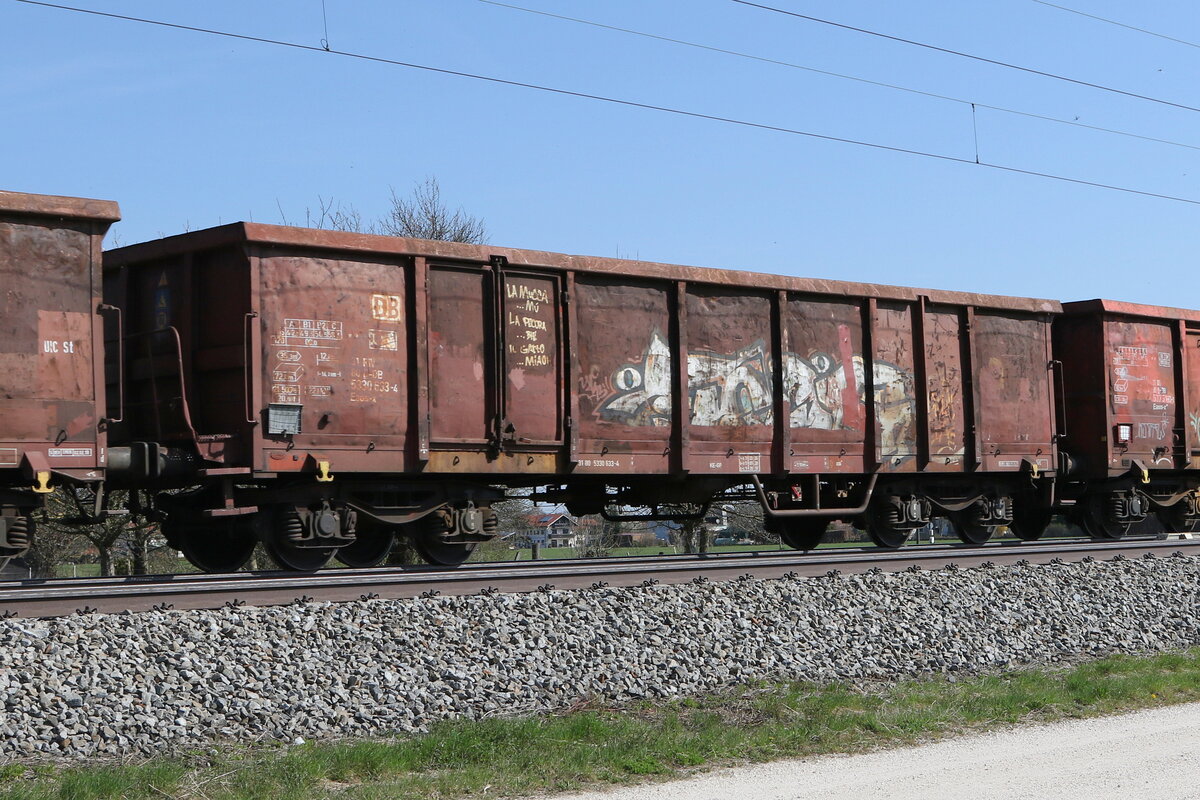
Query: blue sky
[188, 130]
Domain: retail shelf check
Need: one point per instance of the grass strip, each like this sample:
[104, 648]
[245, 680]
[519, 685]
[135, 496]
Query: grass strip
[591, 745]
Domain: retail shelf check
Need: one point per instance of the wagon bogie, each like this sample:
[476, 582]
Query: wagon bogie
[1179, 514]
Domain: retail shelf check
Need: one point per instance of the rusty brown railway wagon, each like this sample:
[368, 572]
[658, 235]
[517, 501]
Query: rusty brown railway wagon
[1131, 414]
[328, 391]
[51, 362]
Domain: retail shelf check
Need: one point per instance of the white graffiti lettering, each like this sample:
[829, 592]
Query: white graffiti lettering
[736, 389]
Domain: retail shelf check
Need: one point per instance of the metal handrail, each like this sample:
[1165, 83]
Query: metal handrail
[794, 513]
[103, 307]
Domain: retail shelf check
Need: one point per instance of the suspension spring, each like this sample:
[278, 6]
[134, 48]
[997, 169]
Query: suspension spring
[20, 532]
[293, 526]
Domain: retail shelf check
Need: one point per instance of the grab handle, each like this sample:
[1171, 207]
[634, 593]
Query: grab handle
[246, 357]
[1060, 385]
[103, 308]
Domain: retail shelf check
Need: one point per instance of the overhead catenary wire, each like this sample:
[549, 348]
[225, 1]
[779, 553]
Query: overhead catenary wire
[614, 100]
[974, 104]
[1099, 18]
[971, 56]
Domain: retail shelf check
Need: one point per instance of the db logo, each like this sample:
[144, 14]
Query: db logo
[385, 307]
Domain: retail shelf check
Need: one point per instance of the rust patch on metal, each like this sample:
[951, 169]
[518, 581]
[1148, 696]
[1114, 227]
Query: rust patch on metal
[480, 463]
[945, 386]
[824, 384]
[1140, 367]
[894, 387]
[459, 358]
[335, 344]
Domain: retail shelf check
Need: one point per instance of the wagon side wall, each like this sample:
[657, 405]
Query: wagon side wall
[400, 356]
[51, 335]
[740, 381]
[333, 338]
[1131, 386]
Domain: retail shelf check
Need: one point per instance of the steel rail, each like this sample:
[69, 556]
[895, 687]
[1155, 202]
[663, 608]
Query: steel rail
[65, 596]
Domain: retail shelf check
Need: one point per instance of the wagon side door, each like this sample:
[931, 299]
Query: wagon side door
[531, 390]
[496, 368]
[622, 350]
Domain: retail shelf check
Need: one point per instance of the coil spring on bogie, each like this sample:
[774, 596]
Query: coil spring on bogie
[1005, 508]
[491, 521]
[891, 516]
[293, 526]
[20, 531]
[1116, 506]
[440, 522]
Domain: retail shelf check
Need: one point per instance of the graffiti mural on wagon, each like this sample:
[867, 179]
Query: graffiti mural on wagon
[822, 391]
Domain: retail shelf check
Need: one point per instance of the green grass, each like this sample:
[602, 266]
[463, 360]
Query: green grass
[504, 757]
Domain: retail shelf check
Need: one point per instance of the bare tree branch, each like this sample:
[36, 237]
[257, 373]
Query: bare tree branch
[423, 216]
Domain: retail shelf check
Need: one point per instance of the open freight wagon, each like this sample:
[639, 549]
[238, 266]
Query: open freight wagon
[51, 362]
[1131, 415]
[329, 390]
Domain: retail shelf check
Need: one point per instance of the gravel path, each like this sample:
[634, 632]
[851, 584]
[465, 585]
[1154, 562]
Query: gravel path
[1150, 754]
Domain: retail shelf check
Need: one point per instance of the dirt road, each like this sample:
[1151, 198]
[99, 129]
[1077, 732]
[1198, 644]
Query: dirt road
[1150, 754]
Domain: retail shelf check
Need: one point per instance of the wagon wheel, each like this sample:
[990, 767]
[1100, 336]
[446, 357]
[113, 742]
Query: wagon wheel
[969, 528]
[880, 527]
[279, 540]
[1099, 525]
[436, 536]
[438, 551]
[802, 534]
[371, 547]
[219, 547]
[298, 559]
[1029, 521]
[1175, 519]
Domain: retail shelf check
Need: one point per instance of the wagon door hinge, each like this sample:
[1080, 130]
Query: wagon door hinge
[502, 432]
[565, 296]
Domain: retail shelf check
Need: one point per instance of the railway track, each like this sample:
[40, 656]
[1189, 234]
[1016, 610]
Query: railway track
[65, 596]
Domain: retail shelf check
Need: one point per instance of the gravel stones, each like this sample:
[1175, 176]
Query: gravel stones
[165, 681]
